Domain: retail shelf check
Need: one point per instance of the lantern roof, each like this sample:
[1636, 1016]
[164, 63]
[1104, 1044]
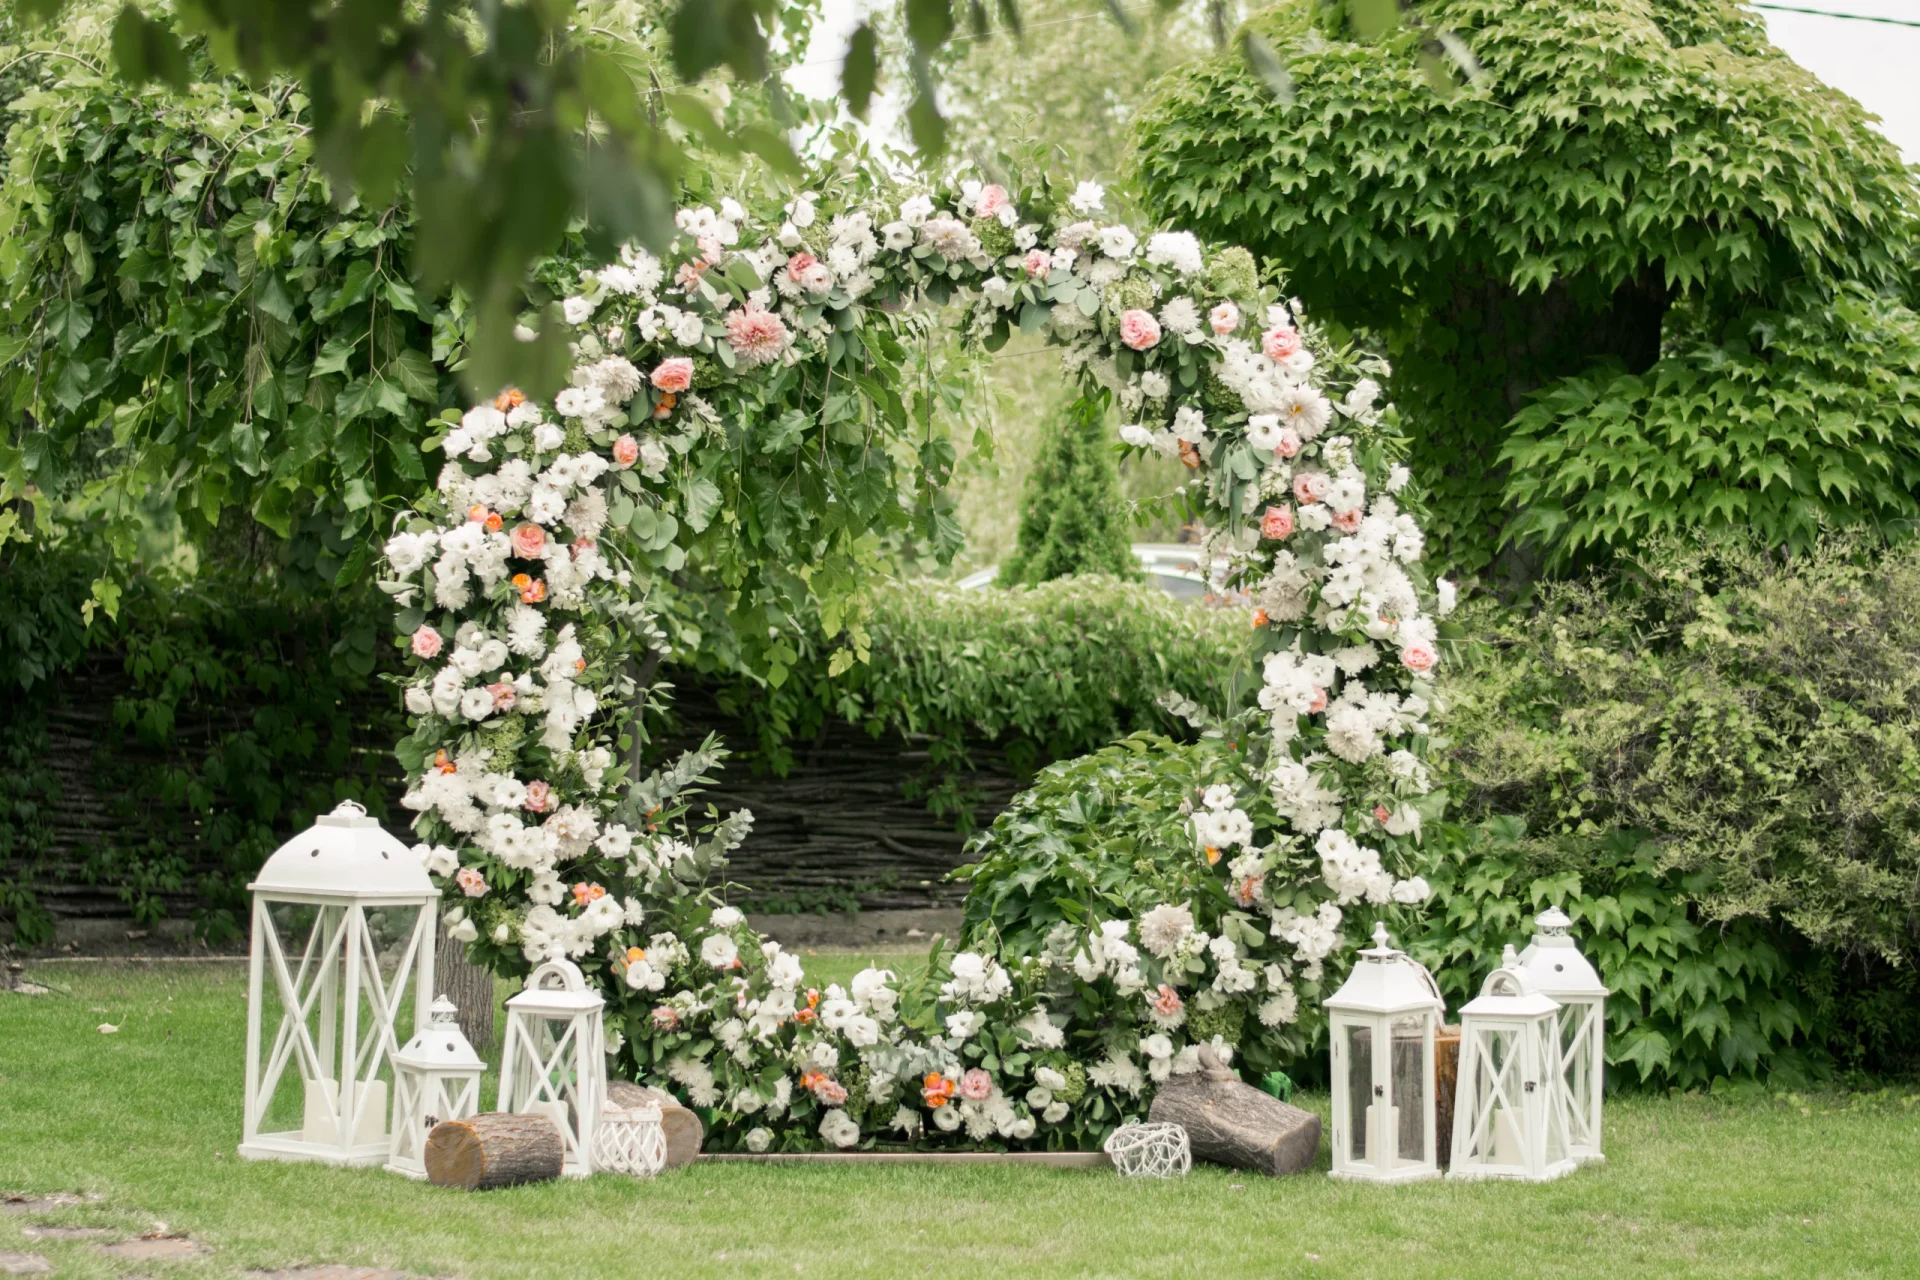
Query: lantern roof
[1386, 981]
[557, 989]
[345, 854]
[1554, 965]
[440, 1045]
[1509, 993]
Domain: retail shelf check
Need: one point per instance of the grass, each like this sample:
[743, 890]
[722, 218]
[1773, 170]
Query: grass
[148, 1119]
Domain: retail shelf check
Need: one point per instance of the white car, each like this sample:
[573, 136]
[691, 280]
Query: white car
[1171, 566]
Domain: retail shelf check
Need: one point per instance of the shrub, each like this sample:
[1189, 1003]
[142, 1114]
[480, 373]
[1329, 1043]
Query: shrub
[1070, 518]
[1617, 181]
[1050, 670]
[1692, 1002]
[1759, 715]
[1109, 836]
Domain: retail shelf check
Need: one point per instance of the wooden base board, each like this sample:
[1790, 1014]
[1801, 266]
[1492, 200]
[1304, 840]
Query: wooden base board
[1045, 1159]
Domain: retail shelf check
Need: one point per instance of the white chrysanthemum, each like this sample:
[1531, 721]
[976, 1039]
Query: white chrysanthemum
[1180, 316]
[1164, 928]
[1177, 249]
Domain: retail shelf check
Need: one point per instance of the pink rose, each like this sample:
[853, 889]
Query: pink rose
[471, 882]
[503, 695]
[1280, 343]
[1319, 702]
[831, 1092]
[539, 797]
[687, 276]
[1224, 319]
[529, 541]
[1419, 657]
[1347, 521]
[799, 264]
[710, 248]
[1038, 263]
[1310, 486]
[976, 1085]
[993, 198]
[1289, 445]
[1138, 329]
[1166, 1002]
[426, 643]
[626, 451]
[665, 1017]
[675, 375]
[1277, 523]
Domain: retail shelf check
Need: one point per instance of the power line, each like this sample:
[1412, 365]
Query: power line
[1829, 13]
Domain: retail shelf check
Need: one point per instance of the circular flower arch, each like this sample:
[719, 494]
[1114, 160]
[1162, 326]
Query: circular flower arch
[739, 364]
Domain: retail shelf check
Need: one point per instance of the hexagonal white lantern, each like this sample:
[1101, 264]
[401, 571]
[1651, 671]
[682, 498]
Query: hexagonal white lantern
[436, 1076]
[343, 921]
[1558, 970]
[554, 1059]
[1381, 1023]
[1509, 1112]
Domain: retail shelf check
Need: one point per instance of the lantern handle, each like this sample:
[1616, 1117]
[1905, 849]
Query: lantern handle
[566, 972]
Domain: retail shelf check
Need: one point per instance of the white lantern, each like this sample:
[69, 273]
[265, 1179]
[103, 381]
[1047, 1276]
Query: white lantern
[554, 1060]
[1558, 970]
[365, 908]
[436, 1077]
[1382, 1023]
[630, 1140]
[1509, 1114]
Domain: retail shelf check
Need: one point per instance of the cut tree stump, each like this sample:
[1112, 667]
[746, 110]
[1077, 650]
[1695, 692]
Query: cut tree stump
[1230, 1122]
[1446, 1078]
[493, 1149]
[684, 1133]
[470, 987]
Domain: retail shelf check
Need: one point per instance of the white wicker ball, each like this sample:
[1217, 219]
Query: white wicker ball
[1149, 1150]
[630, 1141]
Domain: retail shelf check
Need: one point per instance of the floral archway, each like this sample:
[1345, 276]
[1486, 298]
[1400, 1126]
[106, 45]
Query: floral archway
[528, 578]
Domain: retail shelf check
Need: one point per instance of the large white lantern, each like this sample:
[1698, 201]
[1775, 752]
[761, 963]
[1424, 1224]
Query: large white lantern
[1556, 969]
[1509, 1113]
[343, 925]
[436, 1077]
[554, 1060]
[1382, 1023]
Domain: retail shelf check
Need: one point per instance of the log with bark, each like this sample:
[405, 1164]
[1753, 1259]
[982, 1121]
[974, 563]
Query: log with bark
[1230, 1122]
[494, 1149]
[684, 1133]
[1446, 1079]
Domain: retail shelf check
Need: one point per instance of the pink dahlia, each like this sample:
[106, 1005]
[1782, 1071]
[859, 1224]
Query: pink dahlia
[757, 335]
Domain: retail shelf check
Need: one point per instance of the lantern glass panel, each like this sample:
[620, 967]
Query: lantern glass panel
[1495, 1137]
[1359, 1088]
[1410, 1085]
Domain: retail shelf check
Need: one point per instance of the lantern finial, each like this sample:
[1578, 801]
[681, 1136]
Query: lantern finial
[1380, 934]
[349, 809]
[1509, 958]
[1553, 922]
[444, 1010]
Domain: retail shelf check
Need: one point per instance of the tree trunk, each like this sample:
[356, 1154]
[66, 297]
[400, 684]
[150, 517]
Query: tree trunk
[1233, 1123]
[493, 1149]
[682, 1128]
[1446, 1079]
[470, 987]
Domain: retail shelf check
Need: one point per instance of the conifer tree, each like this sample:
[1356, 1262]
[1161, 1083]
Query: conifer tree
[1071, 519]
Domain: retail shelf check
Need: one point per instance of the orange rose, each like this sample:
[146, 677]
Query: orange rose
[511, 398]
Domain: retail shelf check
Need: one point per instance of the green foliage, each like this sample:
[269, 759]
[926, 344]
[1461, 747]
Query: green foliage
[222, 710]
[1758, 715]
[1795, 421]
[1693, 1003]
[1071, 520]
[1046, 671]
[193, 320]
[1607, 163]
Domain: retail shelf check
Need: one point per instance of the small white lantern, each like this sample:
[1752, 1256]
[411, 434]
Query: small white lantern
[436, 1077]
[1382, 1023]
[1509, 1114]
[630, 1141]
[1558, 970]
[366, 908]
[554, 1060]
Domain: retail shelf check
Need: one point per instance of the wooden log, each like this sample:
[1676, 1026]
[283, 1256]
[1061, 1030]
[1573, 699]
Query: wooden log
[682, 1128]
[1232, 1123]
[493, 1149]
[470, 987]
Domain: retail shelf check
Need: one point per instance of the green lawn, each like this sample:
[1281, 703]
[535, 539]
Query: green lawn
[148, 1119]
